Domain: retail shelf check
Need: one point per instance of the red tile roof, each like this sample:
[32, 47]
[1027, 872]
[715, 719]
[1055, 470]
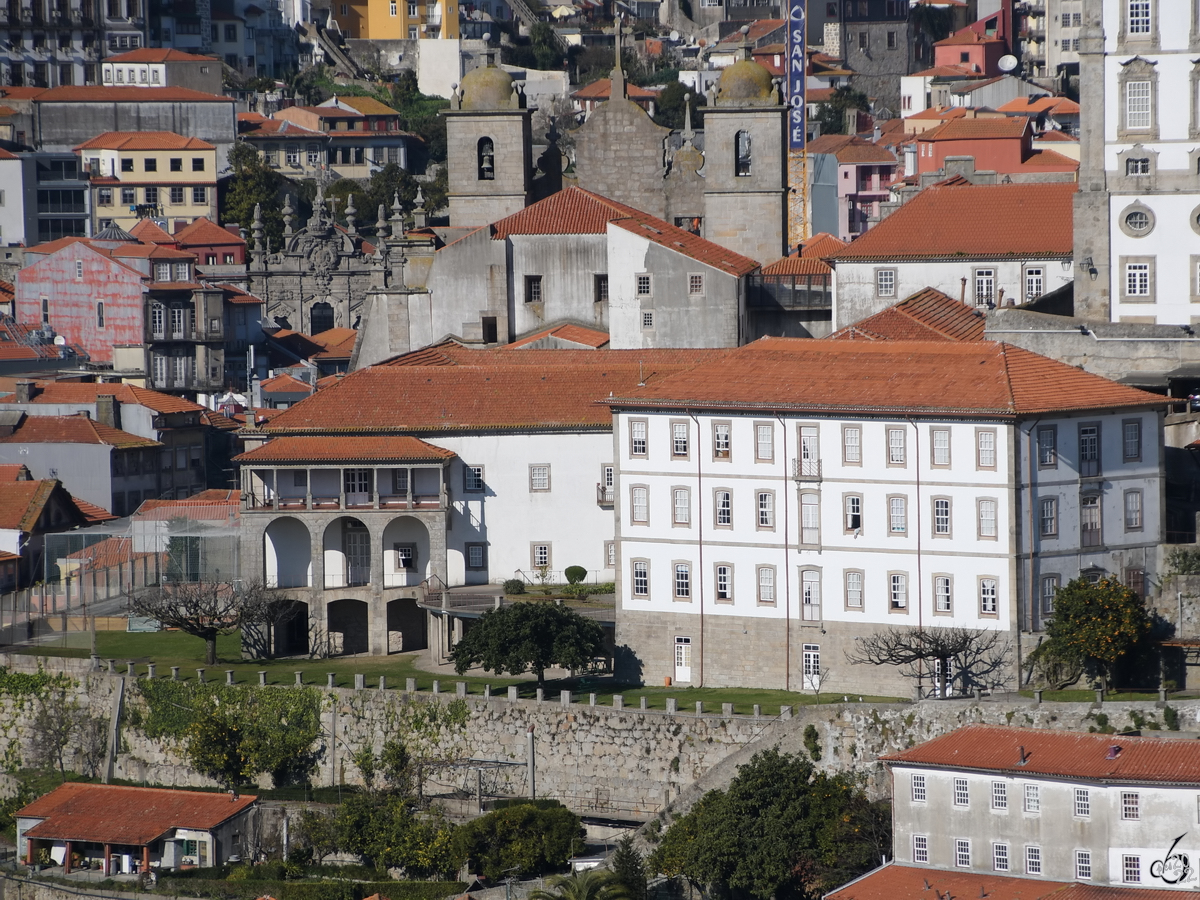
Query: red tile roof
[157, 54]
[12, 472]
[850, 149]
[367, 106]
[500, 389]
[100, 94]
[1055, 136]
[86, 392]
[1045, 158]
[928, 315]
[1064, 754]
[967, 36]
[897, 882]
[819, 95]
[985, 378]
[148, 231]
[822, 245]
[601, 89]
[112, 814]
[759, 29]
[259, 126]
[1041, 103]
[203, 231]
[964, 129]
[73, 430]
[575, 334]
[798, 265]
[285, 384]
[22, 502]
[5, 154]
[665, 235]
[950, 71]
[144, 140]
[974, 221]
[359, 449]
[92, 514]
[211, 505]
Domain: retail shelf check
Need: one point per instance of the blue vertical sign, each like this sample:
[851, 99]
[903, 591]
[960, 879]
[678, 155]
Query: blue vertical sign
[797, 64]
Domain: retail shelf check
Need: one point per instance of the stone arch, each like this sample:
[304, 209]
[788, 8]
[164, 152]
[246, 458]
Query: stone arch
[287, 554]
[349, 627]
[347, 549]
[290, 635]
[320, 317]
[406, 552]
[485, 158]
[405, 626]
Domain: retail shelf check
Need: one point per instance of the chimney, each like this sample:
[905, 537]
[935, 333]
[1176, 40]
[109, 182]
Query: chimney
[106, 410]
[24, 391]
[234, 229]
[23, 474]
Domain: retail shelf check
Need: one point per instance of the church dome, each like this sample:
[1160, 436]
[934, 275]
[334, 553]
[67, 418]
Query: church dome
[744, 80]
[487, 87]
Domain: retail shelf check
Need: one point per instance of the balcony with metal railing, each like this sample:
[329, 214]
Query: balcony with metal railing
[604, 496]
[806, 470]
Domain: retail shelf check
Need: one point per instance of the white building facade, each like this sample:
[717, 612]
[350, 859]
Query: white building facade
[776, 505]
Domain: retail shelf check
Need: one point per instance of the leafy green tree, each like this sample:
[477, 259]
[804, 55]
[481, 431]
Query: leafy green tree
[529, 637]
[781, 830]
[253, 183]
[386, 831]
[831, 116]
[629, 869]
[526, 838]
[419, 115]
[319, 833]
[668, 109]
[545, 51]
[592, 884]
[1097, 625]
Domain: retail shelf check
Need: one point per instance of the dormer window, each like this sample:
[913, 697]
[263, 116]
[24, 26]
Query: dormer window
[487, 159]
[162, 271]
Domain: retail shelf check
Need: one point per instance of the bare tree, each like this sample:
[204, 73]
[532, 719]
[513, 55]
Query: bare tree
[207, 609]
[58, 725]
[978, 658]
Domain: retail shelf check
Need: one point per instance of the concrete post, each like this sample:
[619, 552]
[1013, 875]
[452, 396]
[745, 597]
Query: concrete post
[299, 679]
[262, 679]
[727, 709]
[672, 706]
[383, 682]
[1162, 695]
[699, 707]
[530, 761]
[460, 689]
[1037, 696]
[757, 710]
[151, 670]
[410, 685]
[130, 669]
[591, 699]
[330, 679]
[437, 686]
[541, 695]
[512, 693]
[112, 666]
[229, 676]
[1099, 695]
[564, 697]
[785, 712]
[618, 701]
[360, 681]
[487, 692]
[174, 673]
[200, 675]
[644, 705]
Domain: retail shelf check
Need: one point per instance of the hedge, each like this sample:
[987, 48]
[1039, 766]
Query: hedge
[310, 890]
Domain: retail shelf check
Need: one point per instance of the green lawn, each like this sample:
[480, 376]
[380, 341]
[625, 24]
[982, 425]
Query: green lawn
[1090, 696]
[170, 648]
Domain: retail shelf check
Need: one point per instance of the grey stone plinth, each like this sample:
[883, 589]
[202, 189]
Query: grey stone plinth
[112, 666]
[299, 678]
[672, 706]
[564, 697]
[487, 692]
[1099, 695]
[460, 689]
[512, 693]
[785, 712]
[330, 679]
[727, 709]
[699, 707]
[644, 704]
[541, 695]
[1162, 695]
[262, 679]
[200, 675]
[229, 676]
[618, 701]
[757, 710]
[95, 663]
[360, 681]
[130, 669]
[1037, 696]
[410, 685]
[591, 699]
[437, 686]
[151, 670]
[383, 682]
[174, 673]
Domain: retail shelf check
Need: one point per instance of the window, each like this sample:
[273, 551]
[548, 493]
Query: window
[177, 195]
[695, 285]
[151, 196]
[1083, 803]
[1131, 432]
[392, 8]
[644, 285]
[1049, 516]
[533, 288]
[721, 440]
[988, 597]
[1033, 798]
[128, 196]
[476, 559]
[679, 439]
[985, 449]
[399, 480]
[473, 478]
[150, 164]
[79, 270]
[810, 595]
[1000, 857]
[896, 446]
[1049, 589]
[853, 506]
[723, 509]
[920, 848]
[126, 164]
[1135, 580]
[742, 154]
[1083, 864]
[540, 556]
[1138, 221]
[864, 40]
[162, 271]
[104, 197]
[640, 505]
[637, 437]
[985, 287]
[641, 578]
[600, 288]
[764, 442]
[182, 271]
[683, 581]
[940, 447]
[942, 598]
[766, 509]
[291, 155]
[176, 164]
[766, 585]
[962, 853]
[854, 589]
[1089, 520]
[1138, 111]
[100, 314]
[987, 519]
[724, 583]
[1033, 860]
[199, 196]
[897, 515]
[941, 516]
[1139, 17]
[1137, 165]
[918, 788]
[1131, 869]
[1035, 281]
[810, 519]
[1130, 806]
[891, 40]
[681, 508]
[852, 445]
[898, 591]
[885, 282]
[1133, 510]
[647, 320]
[197, 163]
[231, 31]
[1089, 450]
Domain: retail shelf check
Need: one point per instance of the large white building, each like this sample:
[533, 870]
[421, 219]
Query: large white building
[1138, 209]
[777, 502]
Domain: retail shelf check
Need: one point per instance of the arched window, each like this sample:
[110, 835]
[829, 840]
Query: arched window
[320, 318]
[487, 159]
[742, 151]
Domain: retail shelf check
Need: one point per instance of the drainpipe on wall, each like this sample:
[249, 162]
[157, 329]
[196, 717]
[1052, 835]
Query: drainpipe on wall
[699, 545]
[920, 577]
[787, 569]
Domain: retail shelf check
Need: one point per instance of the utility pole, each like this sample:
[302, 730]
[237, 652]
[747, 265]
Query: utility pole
[531, 763]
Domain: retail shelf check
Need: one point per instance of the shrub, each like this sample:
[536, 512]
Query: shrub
[531, 840]
[514, 586]
[575, 574]
[812, 741]
[1171, 717]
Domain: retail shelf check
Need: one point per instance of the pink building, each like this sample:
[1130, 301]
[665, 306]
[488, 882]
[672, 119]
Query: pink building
[864, 172]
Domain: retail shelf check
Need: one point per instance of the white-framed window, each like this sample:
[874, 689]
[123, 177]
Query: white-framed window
[1089, 450]
[1131, 808]
[920, 848]
[610, 554]
[985, 449]
[1131, 443]
[896, 447]
[985, 287]
[987, 519]
[475, 556]
[695, 284]
[683, 581]
[641, 578]
[1139, 17]
[854, 590]
[898, 591]
[988, 597]
[1049, 591]
[640, 503]
[539, 478]
[810, 595]
[1083, 803]
[1047, 442]
[637, 437]
[721, 440]
[766, 585]
[764, 442]
[540, 556]
[723, 509]
[852, 445]
[647, 320]
[1033, 860]
[1033, 798]
[679, 439]
[918, 789]
[1083, 865]
[724, 583]
[1137, 279]
[962, 853]
[1048, 516]
[1133, 510]
[943, 601]
[810, 519]
[999, 795]
[644, 285]
[940, 444]
[810, 450]
[1090, 527]
[885, 282]
[854, 520]
[1000, 857]
[897, 515]
[1035, 282]
[681, 507]
[766, 509]
[1131, 869]
[472, 478]
[941, 516]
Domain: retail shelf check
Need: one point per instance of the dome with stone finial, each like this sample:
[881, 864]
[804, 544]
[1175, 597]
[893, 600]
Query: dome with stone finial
[487, 87]
[744, 80]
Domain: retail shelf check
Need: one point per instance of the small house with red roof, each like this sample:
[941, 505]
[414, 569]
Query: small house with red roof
[127, 830]
[1001, 145]
[977, 52]
[357, 143]
[162, 67]
[590, 95]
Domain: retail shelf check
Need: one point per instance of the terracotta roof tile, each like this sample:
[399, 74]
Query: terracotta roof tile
[204, 231]
[951, 71]
[759, 29]
[967, 36]
[822, 245]
[601, 89]
[375, 448]
[157, 54]
[73, 430]
[1055, 136]
[100, 94]
[575, 334]
[997, 748]
[1041, 104]
[86, 392]
[144, 140]
[897, 882]
[691, 245]
[12, 471]
[1046, 158]
[112, 814]
[797, 265]
[368, 106]
[570, 211]
[92, 514]
[6, 154]
[985, 378]
[850, 148]
[1023, 220]
[148, 231]
[964, 129]
[928, 315]
[286, 384]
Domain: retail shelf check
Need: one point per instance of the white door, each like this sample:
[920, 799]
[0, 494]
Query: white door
[812, 667]
[810, 452]
[683, 659]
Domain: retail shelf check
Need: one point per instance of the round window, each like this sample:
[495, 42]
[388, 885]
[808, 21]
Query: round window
[1137, 221]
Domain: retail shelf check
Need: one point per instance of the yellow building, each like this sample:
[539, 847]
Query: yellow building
[397, 20]
[149, 174]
